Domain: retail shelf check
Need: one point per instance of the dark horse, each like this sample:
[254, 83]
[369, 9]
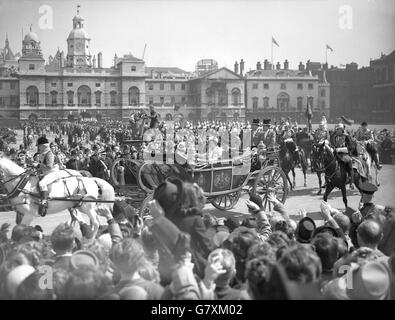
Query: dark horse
[317, 165]
[335, 172]
[289, 160]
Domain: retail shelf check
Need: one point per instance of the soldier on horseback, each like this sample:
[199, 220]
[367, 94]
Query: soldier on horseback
[288, 138]
[342, 143]
[366, 136]
[47, 166]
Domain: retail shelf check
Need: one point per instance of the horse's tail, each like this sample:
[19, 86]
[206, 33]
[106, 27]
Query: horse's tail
[108, 193]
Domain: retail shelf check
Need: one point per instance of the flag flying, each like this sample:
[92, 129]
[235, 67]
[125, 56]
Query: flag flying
[328, 47]
[275, 42]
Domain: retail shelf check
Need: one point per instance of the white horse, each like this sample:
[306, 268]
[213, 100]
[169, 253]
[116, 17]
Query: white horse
[364, 154]
[27, 200]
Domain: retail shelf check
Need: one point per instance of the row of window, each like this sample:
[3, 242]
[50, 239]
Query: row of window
[70, 84]
[283, 86]
[151, 86]
[13, 101]
[162, 100]
[283, 103]
[12, 85]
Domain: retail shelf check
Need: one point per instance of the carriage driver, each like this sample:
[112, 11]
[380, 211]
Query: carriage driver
[48, 169]
[342, 142]
[366, 136]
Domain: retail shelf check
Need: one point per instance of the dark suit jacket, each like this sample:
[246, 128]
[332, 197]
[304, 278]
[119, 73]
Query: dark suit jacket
[62, 262]
[201, 244]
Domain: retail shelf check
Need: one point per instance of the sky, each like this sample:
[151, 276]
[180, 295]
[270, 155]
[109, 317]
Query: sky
[178, 33]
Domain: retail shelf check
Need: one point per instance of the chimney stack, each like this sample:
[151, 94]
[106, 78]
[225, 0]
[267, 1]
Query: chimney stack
[265, 65]
[308, 65]
[241, 67]
[99, 60]
[301, 66]
[62, 60]
[258, 66]
[286, 64]
[278, 66]
[236, 67]
[94, 61]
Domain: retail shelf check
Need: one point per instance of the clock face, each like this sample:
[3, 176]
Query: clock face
[79, 46]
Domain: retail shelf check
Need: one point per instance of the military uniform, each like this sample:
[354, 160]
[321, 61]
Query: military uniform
[321, 135]
[342, 143]
[367, 137]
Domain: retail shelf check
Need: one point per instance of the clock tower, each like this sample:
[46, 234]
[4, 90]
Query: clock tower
[78, 44]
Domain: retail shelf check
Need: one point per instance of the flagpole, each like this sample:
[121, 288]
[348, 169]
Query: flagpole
[326, 54]
[272, 54]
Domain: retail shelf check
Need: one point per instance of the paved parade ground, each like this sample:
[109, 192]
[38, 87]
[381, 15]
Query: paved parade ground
[300, 198]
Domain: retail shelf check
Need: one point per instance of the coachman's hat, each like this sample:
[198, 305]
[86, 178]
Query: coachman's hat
[367, 187]
[267, 121]
[255, 121]
[42, 140]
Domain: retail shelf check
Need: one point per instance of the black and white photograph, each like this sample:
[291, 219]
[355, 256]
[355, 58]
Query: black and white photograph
[216, 151]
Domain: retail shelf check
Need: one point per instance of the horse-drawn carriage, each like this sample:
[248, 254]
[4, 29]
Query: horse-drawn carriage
[222, 181]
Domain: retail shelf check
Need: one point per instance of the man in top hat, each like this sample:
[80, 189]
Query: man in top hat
[48, 169]
[269, 135]
[366, 136]
[342, 142]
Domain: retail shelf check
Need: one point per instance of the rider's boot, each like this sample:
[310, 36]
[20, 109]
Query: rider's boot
[351, 173]
[42, 208]
[376, 160]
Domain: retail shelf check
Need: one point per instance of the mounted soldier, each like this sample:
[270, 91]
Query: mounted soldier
[287, 137]
[342, 143]
[366, 136]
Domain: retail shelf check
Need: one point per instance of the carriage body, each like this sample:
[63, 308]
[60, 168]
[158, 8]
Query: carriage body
[222, 182]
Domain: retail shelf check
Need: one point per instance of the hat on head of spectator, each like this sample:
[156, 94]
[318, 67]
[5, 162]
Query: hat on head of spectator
[84, 258]
[367, 187]
[255, 121]
[326, 229]
[371, 281]
[169, 194]
[42, 140]
[267, 122]
[17, 276]
[305, 230]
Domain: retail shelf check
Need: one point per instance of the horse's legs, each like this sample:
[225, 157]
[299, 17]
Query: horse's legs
[344, 195]
[293, 176]
[27, 219]
[328, 189]
[319, 183]
[289, 180]
[304, 169]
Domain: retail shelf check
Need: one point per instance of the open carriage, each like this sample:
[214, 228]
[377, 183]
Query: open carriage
[222, 182]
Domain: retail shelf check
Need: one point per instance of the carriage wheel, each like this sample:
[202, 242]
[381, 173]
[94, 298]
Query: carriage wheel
[271, 179]
[226, 201]
[144, 209]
